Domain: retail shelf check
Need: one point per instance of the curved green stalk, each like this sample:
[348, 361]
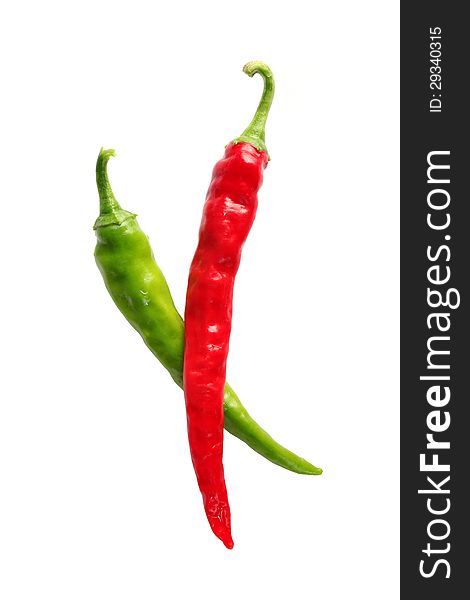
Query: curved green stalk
[110, 211]
[254, 134]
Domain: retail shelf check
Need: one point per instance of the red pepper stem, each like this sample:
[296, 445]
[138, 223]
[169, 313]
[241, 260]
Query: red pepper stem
[110, 211]
[254, 133]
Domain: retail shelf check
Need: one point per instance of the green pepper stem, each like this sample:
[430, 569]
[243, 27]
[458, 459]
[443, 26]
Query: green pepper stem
[254, 133]
[110, 211]
[108, 202]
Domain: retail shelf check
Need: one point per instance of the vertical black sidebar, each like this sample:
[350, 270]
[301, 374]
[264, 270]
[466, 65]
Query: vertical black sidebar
[435, 301]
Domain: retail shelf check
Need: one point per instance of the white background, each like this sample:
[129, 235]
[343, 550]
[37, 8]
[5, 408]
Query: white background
[98, 498]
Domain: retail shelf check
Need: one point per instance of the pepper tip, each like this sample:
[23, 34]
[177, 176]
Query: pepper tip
[228, 543]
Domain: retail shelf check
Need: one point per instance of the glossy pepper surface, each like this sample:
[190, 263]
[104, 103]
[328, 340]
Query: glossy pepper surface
[228, 215]
[139, 289]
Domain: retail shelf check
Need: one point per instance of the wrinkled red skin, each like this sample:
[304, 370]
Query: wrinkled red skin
[228, 215]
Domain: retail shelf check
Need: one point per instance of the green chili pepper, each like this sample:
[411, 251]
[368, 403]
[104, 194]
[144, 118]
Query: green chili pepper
[140, 291]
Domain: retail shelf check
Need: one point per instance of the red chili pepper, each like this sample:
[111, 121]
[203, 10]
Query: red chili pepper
[229, 212]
